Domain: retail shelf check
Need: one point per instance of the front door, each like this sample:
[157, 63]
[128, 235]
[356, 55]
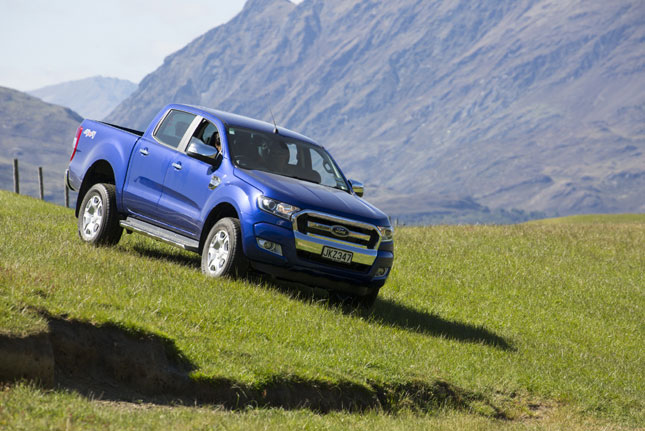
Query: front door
[189, 183]
[185, 191]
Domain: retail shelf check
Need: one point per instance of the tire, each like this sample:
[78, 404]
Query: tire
[222, 254]
[98, 221]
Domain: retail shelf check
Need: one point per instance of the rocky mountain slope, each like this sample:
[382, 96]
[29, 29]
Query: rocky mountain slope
[37, 134]
[438, 106]
[93, 97]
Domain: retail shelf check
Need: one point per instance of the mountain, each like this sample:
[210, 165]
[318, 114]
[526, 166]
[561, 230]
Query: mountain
[93, 98]
[439, 107]
[37, 134]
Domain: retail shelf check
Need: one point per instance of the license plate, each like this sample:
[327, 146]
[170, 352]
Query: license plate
[337, 255]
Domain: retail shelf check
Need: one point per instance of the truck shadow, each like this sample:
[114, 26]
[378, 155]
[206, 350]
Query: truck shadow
[384, 311]
[177, 257]
[388, 312]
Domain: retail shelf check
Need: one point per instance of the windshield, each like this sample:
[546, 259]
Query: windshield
[270, 152]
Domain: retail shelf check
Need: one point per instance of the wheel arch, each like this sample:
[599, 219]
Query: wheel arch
[100, 172]
[221, 210]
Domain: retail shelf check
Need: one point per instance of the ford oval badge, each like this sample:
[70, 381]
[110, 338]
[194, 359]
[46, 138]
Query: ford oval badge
[339, 231]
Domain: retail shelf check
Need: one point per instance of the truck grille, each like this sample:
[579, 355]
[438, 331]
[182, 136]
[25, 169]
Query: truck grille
[337, 229]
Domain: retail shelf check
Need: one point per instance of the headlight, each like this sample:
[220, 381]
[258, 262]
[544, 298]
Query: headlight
[387, 233]
[276, 207]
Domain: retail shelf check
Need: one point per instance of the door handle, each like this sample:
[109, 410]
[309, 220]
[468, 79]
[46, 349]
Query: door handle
[177, 166]
[144, 151]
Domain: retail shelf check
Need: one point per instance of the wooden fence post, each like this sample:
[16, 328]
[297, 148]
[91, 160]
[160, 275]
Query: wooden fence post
[16, 177]
[40, 182]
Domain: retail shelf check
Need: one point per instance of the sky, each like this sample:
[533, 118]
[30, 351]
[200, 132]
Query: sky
[45, 42]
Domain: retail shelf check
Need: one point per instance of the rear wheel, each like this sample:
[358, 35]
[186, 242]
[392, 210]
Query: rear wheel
[98, 222]
[222, 253]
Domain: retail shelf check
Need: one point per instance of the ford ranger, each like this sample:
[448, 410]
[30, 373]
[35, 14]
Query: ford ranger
[245, 194]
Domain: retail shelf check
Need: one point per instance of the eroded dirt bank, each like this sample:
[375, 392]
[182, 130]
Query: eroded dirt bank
[109, 362]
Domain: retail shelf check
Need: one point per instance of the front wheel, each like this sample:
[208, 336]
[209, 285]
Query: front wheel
[222, 253]
[98, 221]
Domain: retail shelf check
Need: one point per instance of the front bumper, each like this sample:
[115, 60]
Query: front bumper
[302, 262]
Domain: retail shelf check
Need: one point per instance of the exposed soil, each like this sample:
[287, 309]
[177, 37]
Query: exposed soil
[110, 363]
[29, 357]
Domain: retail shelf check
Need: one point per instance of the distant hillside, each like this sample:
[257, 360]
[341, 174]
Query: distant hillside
[38, 134]
[438, 106]
[92, 98]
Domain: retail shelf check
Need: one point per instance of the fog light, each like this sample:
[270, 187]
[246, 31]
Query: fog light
[270, 246]
[381, 272]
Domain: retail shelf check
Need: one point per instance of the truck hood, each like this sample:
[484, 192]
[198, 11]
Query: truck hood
[306, 195]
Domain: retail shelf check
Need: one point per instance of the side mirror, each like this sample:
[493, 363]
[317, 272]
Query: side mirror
[203, 152]
[357, 186]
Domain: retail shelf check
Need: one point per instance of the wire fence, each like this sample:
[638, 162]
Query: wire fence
[41, 183]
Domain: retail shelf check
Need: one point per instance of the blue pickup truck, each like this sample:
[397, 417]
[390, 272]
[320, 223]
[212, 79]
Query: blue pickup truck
[245, 194]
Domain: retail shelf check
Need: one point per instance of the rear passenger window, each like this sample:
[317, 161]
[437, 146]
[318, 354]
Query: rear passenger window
[173, 128]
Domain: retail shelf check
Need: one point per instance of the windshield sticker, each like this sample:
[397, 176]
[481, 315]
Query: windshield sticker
[89, 133]
[231, 131]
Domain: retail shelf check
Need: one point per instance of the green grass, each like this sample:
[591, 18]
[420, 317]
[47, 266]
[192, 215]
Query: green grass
[550, 313]
[25, 407]
[594, 219]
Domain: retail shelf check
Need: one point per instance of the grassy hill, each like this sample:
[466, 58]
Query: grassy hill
[593, 219]
[527, 326]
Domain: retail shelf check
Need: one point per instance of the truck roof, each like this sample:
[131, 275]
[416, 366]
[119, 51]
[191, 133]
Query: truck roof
[234, 120]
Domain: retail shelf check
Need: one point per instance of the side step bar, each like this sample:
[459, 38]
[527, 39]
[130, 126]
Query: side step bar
[161, 234]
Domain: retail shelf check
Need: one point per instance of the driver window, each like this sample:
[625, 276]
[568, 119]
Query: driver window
[207, 134]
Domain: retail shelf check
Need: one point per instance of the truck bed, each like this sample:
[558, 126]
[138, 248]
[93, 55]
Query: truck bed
[134, 132]
[101, 141]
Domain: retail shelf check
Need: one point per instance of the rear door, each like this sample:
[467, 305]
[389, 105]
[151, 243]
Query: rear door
[149, 163]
